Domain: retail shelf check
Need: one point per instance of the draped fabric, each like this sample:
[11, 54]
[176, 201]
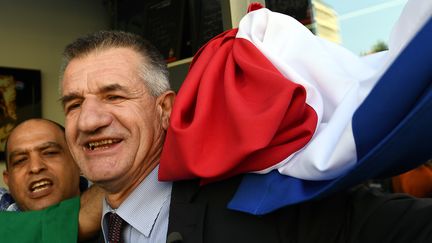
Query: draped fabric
[391, 129]
[235, 113]
[58, 223]
[305, 116]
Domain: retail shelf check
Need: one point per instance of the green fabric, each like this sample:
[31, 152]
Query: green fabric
[58, 223]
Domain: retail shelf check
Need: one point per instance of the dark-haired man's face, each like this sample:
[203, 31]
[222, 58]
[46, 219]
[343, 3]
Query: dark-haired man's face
[41, 171]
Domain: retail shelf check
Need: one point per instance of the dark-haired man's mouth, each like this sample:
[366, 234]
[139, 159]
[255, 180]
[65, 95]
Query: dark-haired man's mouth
[40, 185]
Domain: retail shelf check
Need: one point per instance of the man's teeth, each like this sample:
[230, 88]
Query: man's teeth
[100, 144]
[40, 186]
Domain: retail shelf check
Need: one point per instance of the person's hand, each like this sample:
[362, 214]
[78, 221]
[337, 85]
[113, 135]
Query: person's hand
[90, 213]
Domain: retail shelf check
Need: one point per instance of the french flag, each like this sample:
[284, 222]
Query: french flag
[302, 116]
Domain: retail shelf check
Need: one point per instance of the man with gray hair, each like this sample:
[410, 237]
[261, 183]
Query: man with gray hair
[117, 102]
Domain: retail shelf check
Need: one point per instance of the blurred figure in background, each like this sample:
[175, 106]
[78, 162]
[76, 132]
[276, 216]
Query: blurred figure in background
[416, 182]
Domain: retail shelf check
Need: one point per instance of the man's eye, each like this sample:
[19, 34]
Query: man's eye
[18, 161]
[72, 106]
[114, 97]
[50, 153]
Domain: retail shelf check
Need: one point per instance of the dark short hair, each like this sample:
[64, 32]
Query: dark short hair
[61, 127]
[153, 71]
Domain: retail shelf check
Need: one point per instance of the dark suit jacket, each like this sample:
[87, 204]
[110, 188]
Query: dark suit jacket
[199, 214]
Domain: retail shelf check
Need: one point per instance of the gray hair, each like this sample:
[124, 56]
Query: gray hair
[153, 70]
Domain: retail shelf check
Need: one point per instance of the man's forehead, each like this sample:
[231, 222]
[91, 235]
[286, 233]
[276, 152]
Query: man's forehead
[25, 147]
[37, 146]
[96, 88]
[36, 130]
[110, 58]
[86, 77]
[99, 78]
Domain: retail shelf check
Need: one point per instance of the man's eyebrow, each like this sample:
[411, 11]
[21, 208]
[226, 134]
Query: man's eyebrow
[49, 144]
[112, 87]
[17, 152]
[72, 96]
[39, 148]
[107, 88]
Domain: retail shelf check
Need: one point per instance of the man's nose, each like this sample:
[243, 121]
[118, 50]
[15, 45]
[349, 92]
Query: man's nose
[93, 116]
[37, 164]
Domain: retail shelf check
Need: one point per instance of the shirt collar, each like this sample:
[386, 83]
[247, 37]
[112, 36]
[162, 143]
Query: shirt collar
[141, 208]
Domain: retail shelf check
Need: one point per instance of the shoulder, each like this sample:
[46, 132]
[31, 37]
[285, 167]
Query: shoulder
[360, 214]
[7, 203]
[389, 217]
[204, 208]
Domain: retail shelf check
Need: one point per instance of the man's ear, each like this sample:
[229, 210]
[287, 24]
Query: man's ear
[165, 103]
[6, 177]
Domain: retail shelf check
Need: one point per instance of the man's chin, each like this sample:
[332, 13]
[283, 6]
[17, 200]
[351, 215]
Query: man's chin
[43, 203]
[103, 174]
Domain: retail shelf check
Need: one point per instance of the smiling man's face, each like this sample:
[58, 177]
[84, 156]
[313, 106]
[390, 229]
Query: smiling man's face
[41, 171]
[114, 125]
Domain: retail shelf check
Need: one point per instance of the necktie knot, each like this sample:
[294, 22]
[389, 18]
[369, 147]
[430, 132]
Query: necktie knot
[115, 224]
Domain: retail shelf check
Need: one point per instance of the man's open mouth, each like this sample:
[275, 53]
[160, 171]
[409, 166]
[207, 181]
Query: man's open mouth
[102, 144]
[40, 185]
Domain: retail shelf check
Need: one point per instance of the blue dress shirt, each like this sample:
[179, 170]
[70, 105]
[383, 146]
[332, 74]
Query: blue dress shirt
[145, 210]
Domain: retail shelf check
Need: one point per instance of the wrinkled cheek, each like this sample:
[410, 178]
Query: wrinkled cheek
[87, 168]
[71, 122]
[78, 158]
[98, 171]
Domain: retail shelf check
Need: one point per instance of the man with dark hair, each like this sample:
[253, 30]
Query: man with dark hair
[40, 171]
